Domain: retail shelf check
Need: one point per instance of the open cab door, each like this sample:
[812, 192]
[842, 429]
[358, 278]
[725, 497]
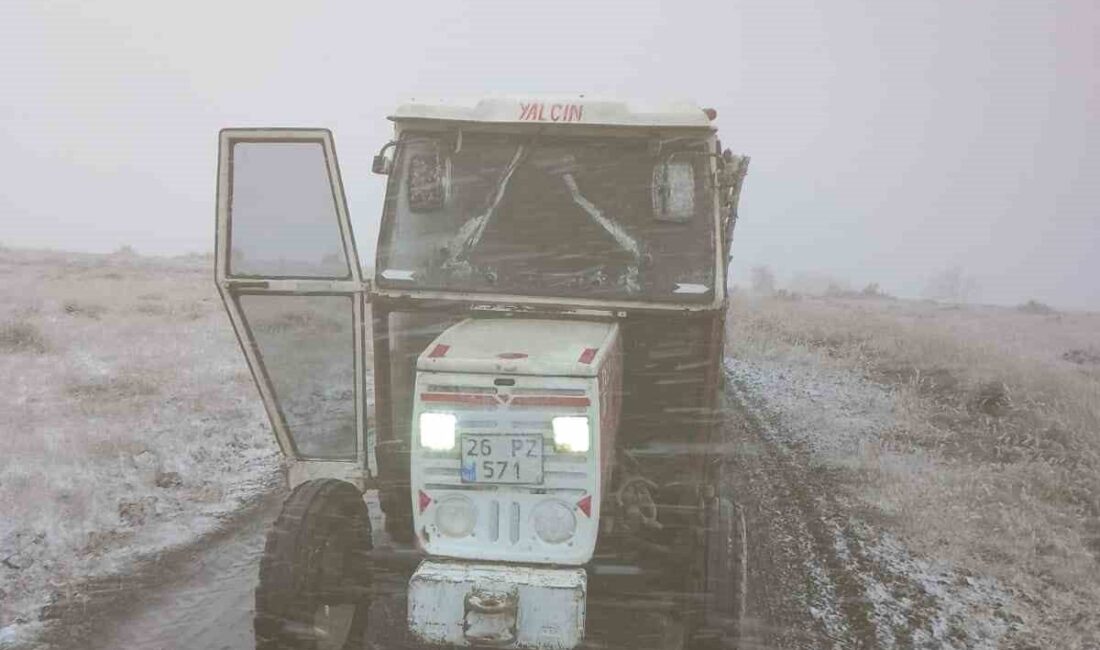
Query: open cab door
[289, 276]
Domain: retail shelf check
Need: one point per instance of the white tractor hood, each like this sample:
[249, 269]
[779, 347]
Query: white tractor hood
[520, 347]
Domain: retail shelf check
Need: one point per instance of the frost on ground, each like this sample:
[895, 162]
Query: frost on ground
[823, 419]
[949, 455]
[130, 425]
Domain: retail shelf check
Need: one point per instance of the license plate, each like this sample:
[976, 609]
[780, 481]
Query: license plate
[501, 458]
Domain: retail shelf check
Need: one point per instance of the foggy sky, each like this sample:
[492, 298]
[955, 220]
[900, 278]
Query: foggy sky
[889, 140]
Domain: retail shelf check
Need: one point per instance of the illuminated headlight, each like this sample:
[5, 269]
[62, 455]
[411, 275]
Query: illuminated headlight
[455, 516]
[554, 522]
[437, 431]
[571, 433]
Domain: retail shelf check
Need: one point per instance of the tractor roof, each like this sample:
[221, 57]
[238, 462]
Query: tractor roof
[563, 109]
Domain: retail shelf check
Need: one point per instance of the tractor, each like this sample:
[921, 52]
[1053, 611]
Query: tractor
[515, 421]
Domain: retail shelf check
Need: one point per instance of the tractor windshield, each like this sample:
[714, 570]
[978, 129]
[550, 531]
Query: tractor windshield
[568, 217]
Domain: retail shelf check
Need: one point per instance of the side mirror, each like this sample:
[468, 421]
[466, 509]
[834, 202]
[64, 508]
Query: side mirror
[382, 165]
[428, 178]
[674, 190]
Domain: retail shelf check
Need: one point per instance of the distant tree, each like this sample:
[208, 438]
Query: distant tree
[951, 285]
[873, 290]
[1035, 307]
[837, 290]
[763, 280]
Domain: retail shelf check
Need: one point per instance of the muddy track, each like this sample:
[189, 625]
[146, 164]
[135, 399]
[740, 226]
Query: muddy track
[99, 613]
[816, 577]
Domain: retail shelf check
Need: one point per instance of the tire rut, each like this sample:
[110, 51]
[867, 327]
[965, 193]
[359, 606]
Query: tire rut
[810, 597]
[813, 580]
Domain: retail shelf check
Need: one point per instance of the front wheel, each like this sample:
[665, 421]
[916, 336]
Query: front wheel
[313, 592]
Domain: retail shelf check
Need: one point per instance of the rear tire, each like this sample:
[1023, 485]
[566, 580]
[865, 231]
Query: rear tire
[725, 575]
[313, 592]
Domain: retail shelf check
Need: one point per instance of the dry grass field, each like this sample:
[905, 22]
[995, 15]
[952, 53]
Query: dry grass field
[991, 459]
[129, 425]
[128, 419]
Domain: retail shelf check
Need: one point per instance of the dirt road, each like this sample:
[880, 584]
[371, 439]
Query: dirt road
[821, 574]
[818, 575]
[805, 587]
[200, 599]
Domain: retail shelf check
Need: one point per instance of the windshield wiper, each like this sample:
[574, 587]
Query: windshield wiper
[469, 235]
[617, 232]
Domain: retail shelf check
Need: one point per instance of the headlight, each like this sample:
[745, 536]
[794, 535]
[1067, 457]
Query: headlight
[455, 516]
[571, 433]
[437, 431]
[554, 522]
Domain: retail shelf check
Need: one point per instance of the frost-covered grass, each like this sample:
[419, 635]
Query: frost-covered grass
[17, 335]
[128, 419]
[991, 459]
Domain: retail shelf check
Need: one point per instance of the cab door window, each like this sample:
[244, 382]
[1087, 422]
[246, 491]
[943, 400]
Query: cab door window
[283, 220]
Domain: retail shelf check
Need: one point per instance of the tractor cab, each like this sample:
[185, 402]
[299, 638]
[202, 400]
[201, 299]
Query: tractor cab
[528, 383]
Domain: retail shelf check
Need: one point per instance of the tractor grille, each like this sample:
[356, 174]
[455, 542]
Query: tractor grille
[505, 519]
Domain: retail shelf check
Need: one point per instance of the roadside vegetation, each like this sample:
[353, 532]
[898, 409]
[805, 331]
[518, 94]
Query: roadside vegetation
[992, 460]
[17, 335]
[128, 420]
